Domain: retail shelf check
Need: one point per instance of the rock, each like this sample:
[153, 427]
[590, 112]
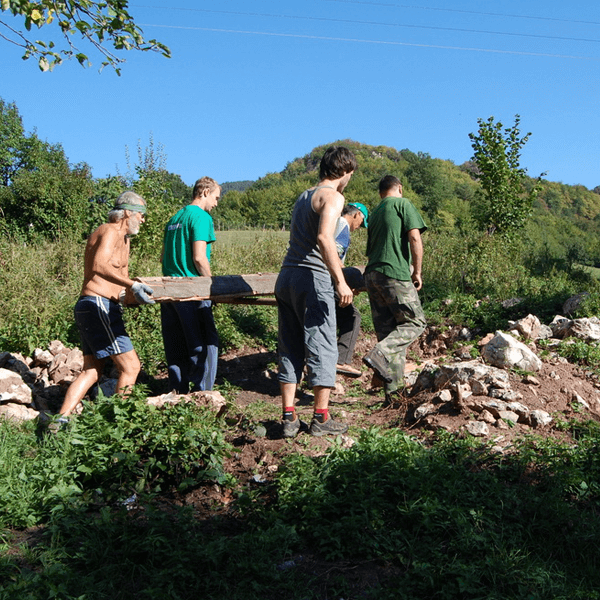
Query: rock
[466, 372]
[545, 332]
[424, 410]
[528, 327]
[539, 418]
[506, 395]
[574, 302]
[41, 358]
[56, 347]
[575, 397]
[508, 415]
[477, 428]
[521, 410]
[484, 340]
[17, 412]
[479, 388]
[530, 380]
[443, 396]
[487, 417]
[17, 363]
[464, 334]
[210, 398]
[583, 329]
[170, 398]
[505, 352]
[13, 388]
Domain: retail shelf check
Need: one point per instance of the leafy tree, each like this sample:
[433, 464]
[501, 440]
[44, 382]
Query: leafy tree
[102, 25]
[11, 141]
[41, 194]
[506, 203]
[427, 179]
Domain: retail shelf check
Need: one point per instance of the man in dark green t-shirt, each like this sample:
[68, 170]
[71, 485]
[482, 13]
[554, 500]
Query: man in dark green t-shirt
[393, 278]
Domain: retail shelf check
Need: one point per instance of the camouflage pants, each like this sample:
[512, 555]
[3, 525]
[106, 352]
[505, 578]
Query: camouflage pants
[398, 320]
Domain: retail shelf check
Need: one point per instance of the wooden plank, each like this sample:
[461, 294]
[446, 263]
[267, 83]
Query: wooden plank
[239, 289]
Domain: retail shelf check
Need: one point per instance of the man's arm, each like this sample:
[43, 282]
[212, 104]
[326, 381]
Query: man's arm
[200, 258]
[330, 210]
[416, 249]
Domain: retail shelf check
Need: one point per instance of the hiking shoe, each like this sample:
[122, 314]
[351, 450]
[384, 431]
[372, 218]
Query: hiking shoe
[377, 361]
[291, 428]
[329, 427]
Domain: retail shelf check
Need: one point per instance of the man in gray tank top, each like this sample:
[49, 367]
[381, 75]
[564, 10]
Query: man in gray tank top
[311, 273]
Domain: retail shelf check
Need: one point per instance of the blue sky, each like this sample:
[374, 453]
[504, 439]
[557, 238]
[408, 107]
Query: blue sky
[253, 85]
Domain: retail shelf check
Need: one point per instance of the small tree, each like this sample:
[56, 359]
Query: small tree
[508, 195]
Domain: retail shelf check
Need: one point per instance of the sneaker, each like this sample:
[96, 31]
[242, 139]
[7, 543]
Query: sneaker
[347, 370]
[329, 427]
[377, 361]
[57, 424]
[291, 428]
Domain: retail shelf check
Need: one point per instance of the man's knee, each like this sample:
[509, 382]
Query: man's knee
[128, 363]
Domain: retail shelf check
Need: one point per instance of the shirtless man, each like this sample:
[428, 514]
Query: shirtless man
[98, 312]
[311, 273]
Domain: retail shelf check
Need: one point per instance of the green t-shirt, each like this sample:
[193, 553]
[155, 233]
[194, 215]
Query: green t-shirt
[387, 242]
[191, 224]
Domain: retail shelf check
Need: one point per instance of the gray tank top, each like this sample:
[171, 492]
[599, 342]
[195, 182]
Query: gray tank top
[303, 250]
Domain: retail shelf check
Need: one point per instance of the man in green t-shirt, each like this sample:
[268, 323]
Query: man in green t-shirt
[189, 334]
[393, 278]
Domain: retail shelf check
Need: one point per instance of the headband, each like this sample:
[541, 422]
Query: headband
[137, 207]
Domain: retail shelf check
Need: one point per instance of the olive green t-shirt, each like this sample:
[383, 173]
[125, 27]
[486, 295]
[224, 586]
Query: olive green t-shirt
[387, 243]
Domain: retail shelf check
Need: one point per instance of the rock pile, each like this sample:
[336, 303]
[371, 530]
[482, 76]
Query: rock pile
[32, 385]
[484, 390]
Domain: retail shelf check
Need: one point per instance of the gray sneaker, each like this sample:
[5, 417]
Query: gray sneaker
[377, 361]
[58, 423]
[291, 428]
[329, 427]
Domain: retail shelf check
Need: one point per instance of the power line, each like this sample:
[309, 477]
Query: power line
[378, 23]
[380, 42]
[469, 12]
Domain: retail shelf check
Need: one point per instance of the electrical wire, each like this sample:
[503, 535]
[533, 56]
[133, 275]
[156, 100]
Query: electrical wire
[377, 23]
[381, 42]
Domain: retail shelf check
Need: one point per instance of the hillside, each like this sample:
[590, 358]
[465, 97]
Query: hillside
[565, 219]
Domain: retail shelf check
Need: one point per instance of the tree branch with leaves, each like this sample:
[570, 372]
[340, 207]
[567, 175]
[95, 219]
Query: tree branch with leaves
[107, 26]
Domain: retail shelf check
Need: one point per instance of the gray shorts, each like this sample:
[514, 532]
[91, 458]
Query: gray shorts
[307, 326]
[101, 327]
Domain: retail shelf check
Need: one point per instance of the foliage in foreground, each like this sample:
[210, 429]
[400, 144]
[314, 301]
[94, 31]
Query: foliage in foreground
[116, 447]
[447, 521]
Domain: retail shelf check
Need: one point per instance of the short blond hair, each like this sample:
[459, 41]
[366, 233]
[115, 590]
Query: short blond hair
[204, 183]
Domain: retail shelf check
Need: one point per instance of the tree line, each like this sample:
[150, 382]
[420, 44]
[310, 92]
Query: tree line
[44, 196]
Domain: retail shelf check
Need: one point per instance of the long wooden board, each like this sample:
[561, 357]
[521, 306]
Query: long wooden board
[238, 289]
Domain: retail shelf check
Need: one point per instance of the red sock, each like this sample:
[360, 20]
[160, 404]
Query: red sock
[289, 413]
[321, 414]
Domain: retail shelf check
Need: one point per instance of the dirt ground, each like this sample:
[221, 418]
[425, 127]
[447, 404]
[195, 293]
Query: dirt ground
[260, 448]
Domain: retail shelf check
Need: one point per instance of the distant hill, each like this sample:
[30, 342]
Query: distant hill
[238, 186]
[565, 221]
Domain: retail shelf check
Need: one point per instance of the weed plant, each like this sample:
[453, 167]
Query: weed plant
[116, 447]
[450, 520]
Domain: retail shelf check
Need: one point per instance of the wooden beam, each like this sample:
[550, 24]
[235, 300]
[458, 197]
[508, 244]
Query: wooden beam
[238, 289]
